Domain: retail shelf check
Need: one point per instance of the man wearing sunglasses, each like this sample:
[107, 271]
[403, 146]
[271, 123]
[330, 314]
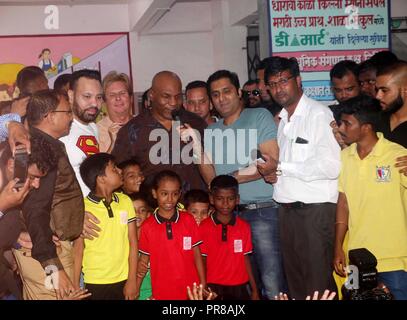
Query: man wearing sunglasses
[251, 94]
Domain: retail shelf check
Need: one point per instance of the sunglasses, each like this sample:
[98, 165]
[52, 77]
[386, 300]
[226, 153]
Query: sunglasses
[254, 92]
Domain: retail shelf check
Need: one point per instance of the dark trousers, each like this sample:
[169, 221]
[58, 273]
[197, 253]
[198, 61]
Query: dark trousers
[9, 284]
[238, 292]
[307, 245]
[111, 291]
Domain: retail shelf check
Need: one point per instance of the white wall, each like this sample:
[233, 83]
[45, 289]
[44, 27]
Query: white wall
[228, 41]
[136, 10]
[242, 10]
[194, 39]
[398, 8]
[188, 54]
[181, 42]
[28, 20]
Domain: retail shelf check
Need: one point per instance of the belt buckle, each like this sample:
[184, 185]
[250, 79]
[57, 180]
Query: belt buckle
[251, 206]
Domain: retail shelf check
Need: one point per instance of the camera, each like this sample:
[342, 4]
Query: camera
[363, 284]
[20, 166]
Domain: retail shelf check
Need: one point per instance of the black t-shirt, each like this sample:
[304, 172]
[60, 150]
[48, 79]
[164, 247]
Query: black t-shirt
[134, 142]
[398, 135]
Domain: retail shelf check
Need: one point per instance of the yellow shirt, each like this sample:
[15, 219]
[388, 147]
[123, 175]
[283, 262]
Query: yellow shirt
[105, 259]
[377, 200]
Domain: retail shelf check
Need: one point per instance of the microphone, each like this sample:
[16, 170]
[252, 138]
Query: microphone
[175, 114]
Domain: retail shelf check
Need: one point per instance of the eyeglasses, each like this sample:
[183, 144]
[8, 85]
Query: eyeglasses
[281, 82]
[254, 93]
[370, 82]
[67, 111]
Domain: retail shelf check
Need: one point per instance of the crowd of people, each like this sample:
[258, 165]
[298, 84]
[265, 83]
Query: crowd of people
[212, 192]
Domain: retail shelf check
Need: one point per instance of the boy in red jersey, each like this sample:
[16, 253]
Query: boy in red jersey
[227, 244]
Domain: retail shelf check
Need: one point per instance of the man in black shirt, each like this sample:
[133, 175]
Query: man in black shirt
[150, 138]
[391, 84]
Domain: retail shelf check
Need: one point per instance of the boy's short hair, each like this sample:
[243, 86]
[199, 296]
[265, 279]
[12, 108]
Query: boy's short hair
[365, 109]
[195, 195]
[93, 167]
[128, 163]
[138, 196]
[224, 182]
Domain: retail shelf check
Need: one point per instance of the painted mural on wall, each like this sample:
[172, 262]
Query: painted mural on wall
[58, 54]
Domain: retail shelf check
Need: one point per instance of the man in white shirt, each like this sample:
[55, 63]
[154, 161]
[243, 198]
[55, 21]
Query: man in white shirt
[86, 97]
[306, 186]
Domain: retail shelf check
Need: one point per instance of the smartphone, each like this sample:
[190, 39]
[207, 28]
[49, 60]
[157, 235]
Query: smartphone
[20, 166]
[260, 157]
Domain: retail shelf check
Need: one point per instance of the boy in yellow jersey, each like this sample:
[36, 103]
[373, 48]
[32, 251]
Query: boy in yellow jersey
[372, 203]
[109, 262]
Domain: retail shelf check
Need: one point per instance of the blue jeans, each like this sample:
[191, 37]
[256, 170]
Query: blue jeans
[396, 281]
[264, 225]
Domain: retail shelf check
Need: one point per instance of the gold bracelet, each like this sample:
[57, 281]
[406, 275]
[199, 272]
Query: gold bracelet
[341, 222]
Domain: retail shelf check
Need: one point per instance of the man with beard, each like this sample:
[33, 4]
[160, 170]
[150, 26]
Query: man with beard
[251, 94]
[367, 78]
[391, 84]
[55, 208]
[266, 99]
[86, 97]
[344, 79]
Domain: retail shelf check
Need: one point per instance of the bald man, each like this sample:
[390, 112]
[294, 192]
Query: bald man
[151, 139]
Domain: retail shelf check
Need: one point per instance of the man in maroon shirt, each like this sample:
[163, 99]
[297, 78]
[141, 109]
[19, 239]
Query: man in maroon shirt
[141, 138]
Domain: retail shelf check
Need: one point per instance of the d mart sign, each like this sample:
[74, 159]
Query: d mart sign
[320, 33]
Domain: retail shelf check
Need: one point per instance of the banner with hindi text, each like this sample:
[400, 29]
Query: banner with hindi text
[320, 33]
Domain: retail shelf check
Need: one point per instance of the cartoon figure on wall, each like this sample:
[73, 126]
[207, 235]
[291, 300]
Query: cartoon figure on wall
[46, 63]
[59, 54]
